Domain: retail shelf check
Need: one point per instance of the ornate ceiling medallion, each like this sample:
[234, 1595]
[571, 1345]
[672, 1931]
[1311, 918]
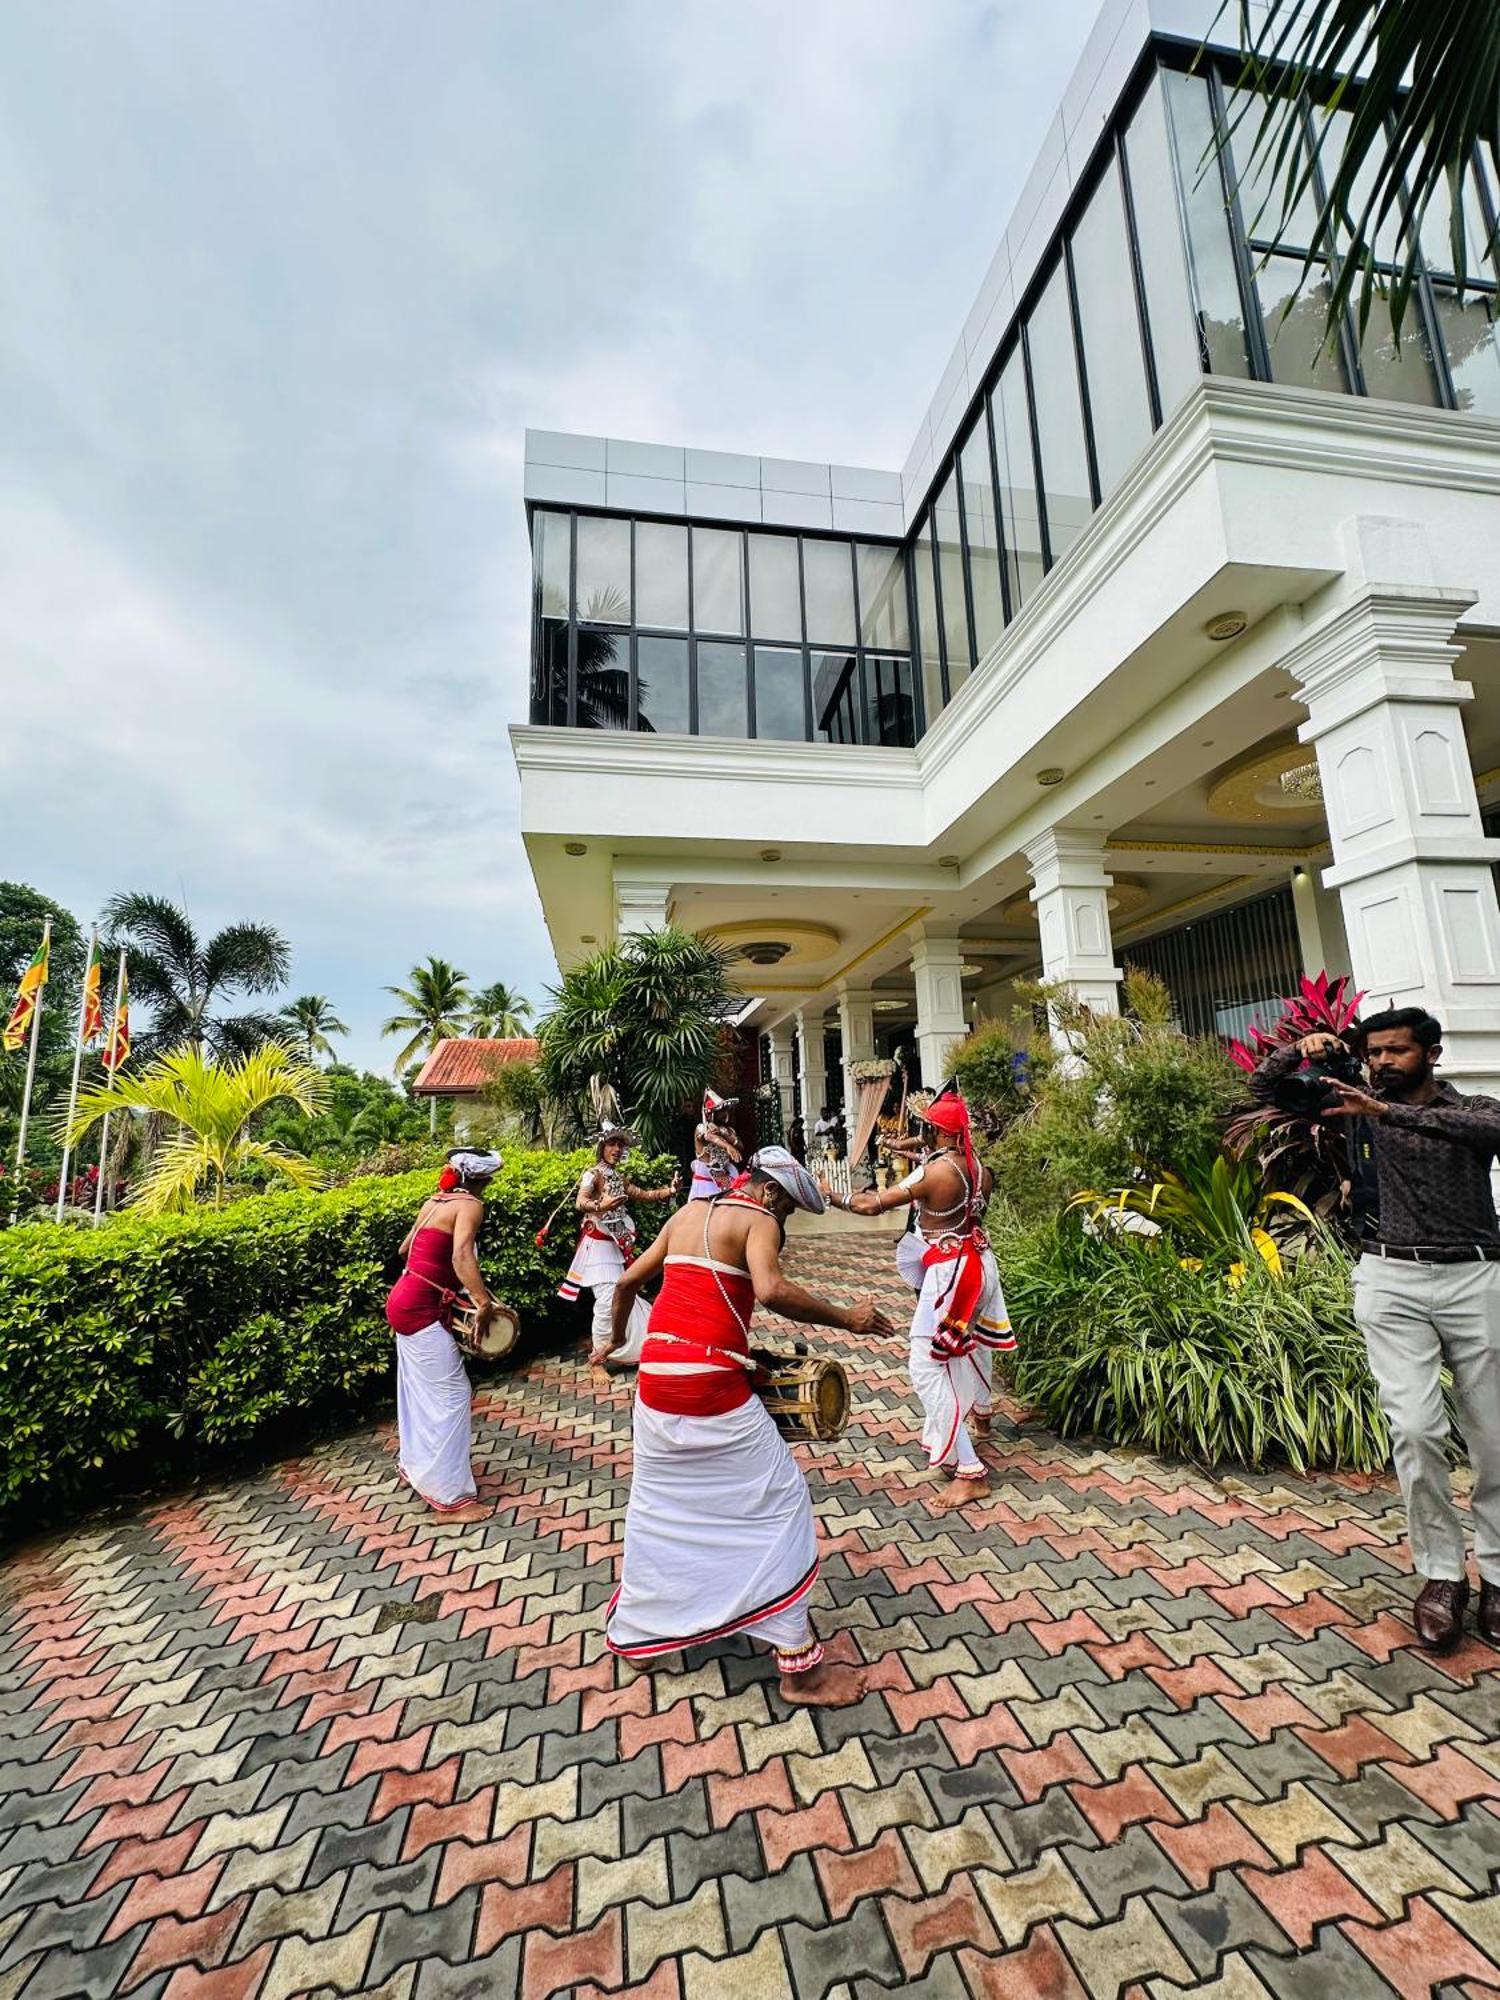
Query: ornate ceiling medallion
[1283, 783]
[781, 941]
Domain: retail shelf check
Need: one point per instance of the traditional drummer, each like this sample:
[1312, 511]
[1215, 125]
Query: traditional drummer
[960, 1321]
[606, 1242]
[719, 1531]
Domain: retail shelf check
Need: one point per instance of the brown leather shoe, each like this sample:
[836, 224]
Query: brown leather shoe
[1439, 1614]
[1489, 1613]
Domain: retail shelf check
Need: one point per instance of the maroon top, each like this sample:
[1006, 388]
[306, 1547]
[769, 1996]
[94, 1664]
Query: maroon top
[428, 1286]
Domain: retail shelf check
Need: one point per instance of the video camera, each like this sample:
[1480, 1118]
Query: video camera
[1310, 1089]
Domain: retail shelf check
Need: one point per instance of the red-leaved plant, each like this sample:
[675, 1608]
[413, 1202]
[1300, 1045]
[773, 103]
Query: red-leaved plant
[1323, 1006]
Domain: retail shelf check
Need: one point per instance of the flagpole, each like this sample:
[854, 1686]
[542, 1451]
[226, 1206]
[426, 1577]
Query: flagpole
[83, 1010]
[109, 1041]
[36, 1023]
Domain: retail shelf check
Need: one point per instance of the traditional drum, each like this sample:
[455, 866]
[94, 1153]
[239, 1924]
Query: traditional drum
[499, 1337]
[806, 1395]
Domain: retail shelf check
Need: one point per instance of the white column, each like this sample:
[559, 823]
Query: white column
[642, 906]
[936, 963]
[813, 1066]
[1320, 926]
[784, 1069]
[857, 1034]
[1411, 863]
[1070, 892]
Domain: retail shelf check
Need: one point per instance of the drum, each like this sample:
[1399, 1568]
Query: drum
[499, 1337]
[806, 1395]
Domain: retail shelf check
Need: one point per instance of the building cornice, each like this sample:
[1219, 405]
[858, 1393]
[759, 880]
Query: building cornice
[586, 753]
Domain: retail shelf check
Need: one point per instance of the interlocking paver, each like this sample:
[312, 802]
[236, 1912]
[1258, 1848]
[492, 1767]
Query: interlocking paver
[1130, 1731]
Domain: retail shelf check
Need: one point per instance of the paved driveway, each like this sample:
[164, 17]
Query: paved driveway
[1130, 1732]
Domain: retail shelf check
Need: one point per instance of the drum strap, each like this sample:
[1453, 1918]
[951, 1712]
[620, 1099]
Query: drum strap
[720, 1353]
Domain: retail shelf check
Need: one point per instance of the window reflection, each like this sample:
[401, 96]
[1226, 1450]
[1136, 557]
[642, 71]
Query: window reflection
[603, 684]
[661, 672]
[835, 690]
[828, 584]
[882, 596]
[718, 580]
[950, 555]
[1295, 315]
[1216, 291]
[927, 624]
[775, 588]
[549, 673]
[1119, 405]
[983, 535]
[890, 702]
[1469, 340]
[661, 575]
[1159, 236]
[1059, 417]
[780, 710]
[602, 590]
[1020, 517]
[723, 703]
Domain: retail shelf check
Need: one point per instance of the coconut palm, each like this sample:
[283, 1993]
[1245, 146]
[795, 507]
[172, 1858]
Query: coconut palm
[1425, 102]
[207, 1110]
[437, 1004]
[496, 1011]
[310, 1020]
[183, 979]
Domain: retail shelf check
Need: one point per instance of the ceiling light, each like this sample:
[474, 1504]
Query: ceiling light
[1052, 775]
[587, 937]
[575, 847]
[891, 1006]
[770, 854]
[947, 861]
[1228, 625]
[968, 971]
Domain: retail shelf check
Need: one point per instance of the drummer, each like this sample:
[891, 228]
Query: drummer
[606, 1241]
[434, 1422]
[719, 1532]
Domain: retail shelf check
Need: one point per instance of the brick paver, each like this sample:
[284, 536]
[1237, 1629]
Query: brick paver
[1130, 1731]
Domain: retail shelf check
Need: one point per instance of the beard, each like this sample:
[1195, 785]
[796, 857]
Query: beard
[1393, 1084]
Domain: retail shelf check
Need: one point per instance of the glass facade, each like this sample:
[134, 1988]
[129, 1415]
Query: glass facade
[1172, 261]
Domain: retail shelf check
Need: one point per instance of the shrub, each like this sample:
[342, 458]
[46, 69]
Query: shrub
[1121, 1341]
[131, 1350]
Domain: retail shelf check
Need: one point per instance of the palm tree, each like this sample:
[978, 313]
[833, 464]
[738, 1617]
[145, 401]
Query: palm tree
[496, 1011]
[209, 1108]
[437, 1003]
[310, 1021]
[1424, 103]
[182, 978]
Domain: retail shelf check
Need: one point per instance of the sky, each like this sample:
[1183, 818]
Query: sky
[285, 281]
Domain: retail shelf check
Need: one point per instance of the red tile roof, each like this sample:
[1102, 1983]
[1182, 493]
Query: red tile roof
[462, 1067]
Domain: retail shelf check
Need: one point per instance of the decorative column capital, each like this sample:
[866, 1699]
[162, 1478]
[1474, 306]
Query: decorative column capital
[1389, 644]
[1068, 857]
[642, 906]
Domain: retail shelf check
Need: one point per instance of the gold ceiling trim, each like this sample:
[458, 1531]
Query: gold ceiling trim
[1282, 783]
[1123, 845]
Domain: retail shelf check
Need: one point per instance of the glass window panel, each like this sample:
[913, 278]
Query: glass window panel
[661, 675]
[603, 679]
[1262, 181]
[1436, 231]
[951, 583]
[1159, 234]
[1059, 416]
[983, 536]
[549, 550]
[1407, 374]
[1469, 337]
[828, 582]
[718, 581]
[882, 595]
[1113, 362]
[549, 673]
[723, 705]
[661, 575]
[1296, 341]
[835, 690]
[1019, 515]
[1216, 292]
[930, 650]
[1332, 129]
[603, 587]
[779, 708]
[890, 702]
[775, 594]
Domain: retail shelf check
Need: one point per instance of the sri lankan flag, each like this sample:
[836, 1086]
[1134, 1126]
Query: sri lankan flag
[92, 1026]
[117, 1049]
[33, 979]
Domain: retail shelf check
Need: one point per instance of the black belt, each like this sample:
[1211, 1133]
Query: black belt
[1434, 1253]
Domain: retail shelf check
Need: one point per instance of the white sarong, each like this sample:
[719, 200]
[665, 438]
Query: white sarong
[719, 1536]
[950, 1391]
[433, 1417]
[599, 1264]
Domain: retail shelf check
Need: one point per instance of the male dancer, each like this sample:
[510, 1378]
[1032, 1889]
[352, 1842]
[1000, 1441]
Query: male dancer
[719, 1532]
[606, 1243]
[716, 1151]
[960, 1320]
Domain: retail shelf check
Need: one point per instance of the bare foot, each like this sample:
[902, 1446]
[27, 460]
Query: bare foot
[982, 1421]
[829, 1685]
[961, 1491]
[473, 1510]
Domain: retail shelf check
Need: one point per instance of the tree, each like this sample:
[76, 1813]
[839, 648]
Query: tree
[360, 1112]
[310, 1021]
[23, 911]
[182, 978]
[646, 1018]
[495, 1011]
[437, 1003]
[1427, 99]
[210, 1108]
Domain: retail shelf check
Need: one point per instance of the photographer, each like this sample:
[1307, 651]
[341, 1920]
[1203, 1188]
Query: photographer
[1427, 1290]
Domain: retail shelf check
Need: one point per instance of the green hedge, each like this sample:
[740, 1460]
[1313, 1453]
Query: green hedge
[130, 1352]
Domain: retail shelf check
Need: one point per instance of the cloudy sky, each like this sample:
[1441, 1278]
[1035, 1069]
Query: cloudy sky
[285, 280]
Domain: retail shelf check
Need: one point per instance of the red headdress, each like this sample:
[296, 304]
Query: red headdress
[949, 1113]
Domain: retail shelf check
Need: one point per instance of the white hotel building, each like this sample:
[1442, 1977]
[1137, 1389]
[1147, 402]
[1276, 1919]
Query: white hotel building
[1176, 640]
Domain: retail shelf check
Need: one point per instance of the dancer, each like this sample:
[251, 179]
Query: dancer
[716, 1151]
[719, 1532]
[606, 1243]
[960, 1321]
[434, 1426]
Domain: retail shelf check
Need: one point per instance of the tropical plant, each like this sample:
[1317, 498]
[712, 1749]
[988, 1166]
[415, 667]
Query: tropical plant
[1425, 101]
[498, 1012]
[437, 1004]
[360, 1113]
[1321, 1006]
[518, 1093]
[993, 1068]
[208, 1111]
[647, 1019]
[310, 1020]
[1121, 1343]
[1215, 1213]
[182, 978]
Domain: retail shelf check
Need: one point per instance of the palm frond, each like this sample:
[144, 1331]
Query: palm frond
[253, 957]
